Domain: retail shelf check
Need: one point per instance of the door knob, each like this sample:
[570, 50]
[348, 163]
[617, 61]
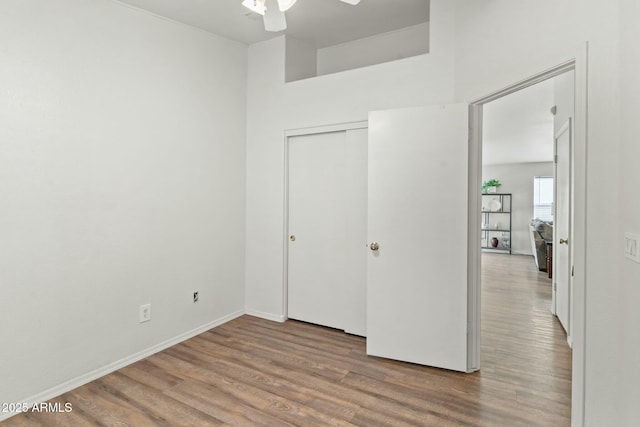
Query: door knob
[292, 238]
[374, 246]
[564, 241]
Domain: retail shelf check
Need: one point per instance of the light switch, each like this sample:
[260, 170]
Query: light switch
[631, 246]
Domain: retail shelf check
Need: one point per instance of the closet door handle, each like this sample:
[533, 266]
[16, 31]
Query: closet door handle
[374, 246]
[564, 241]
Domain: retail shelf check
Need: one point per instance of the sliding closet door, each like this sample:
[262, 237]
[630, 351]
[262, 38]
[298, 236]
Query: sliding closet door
[327, 229]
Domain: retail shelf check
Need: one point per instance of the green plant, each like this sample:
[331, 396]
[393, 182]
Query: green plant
[490, 183]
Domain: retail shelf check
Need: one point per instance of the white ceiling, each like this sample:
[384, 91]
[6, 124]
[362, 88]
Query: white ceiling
[518, 128]
[321, 23]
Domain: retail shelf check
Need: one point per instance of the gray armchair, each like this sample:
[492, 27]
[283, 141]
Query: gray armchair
[541, 233]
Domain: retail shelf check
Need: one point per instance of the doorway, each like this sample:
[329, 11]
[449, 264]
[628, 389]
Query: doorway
[520, 326]
[579, 66]
[527, 149]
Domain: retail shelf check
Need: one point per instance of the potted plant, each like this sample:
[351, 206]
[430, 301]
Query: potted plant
[491, 186]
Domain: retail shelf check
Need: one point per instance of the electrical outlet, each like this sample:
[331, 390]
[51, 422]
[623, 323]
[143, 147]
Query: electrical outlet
[195, 296]
[145, 313]
[631, 248]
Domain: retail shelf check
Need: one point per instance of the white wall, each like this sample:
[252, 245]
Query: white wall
[517, 178]
[403, 43]
[301, 59]
[122, 180]
[626, 292]
[499, 42]
[336, 98]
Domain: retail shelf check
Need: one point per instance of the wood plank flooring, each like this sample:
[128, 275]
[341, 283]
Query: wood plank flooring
[255, 372]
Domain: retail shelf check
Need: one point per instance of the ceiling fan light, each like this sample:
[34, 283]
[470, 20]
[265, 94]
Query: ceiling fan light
[284, 5]
[256, 6]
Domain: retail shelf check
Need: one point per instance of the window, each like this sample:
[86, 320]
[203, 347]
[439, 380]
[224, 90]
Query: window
[543, 198]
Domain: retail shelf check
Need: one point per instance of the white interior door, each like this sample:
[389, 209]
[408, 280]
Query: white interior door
[418, 210]
[327, 227]
[562, 238]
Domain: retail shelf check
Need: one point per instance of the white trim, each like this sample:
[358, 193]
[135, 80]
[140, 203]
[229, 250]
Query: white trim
[112, 367]
[523, 84]
[267, 316]
[580, 236]
[579, 63]
[339, 127]
[474, 263]
[285, 226]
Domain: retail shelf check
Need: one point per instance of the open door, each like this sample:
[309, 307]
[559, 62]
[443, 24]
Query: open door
[417, 230]
[562, 238]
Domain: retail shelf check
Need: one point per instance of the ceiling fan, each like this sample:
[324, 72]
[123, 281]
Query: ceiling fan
[273, 11]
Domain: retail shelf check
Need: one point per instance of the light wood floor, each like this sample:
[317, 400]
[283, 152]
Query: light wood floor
[255, 372]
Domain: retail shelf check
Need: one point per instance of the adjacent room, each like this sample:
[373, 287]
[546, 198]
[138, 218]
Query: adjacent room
[528, 182]
[521, 139]
[270, 212]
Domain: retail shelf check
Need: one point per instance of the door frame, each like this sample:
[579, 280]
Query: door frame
[579, 64]
[315, 130]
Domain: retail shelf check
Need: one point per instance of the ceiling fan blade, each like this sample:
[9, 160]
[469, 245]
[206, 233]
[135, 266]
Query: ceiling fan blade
[352, 2]
[274, 19]
[285, 5]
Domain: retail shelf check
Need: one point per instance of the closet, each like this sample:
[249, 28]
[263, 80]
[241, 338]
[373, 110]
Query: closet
[327, 235]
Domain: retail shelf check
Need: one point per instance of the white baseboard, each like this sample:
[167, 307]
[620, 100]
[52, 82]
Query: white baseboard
[100, 372]
[267, 316]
